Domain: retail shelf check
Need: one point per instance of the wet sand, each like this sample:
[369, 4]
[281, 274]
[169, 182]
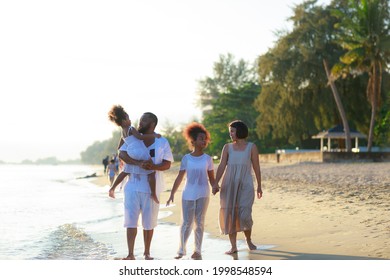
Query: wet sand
[309, 211]
[165, 244]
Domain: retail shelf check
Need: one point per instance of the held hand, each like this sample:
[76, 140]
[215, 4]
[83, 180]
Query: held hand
[215, 189]
[170, 200]
[259, 193]
[111, 193]
[148, 164]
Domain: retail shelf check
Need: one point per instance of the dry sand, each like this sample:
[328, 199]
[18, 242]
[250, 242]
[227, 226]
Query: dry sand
[330, 211]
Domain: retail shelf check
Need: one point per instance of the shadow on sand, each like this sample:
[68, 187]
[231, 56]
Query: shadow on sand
[286, 255]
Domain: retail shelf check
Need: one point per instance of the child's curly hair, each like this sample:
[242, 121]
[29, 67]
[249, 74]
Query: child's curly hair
[117, 114]
[191, 132]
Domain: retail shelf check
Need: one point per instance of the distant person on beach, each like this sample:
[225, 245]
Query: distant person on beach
[105, 164]
[237, 190]
[115, 157]
[199, 168]
[135, 148]
[137, 192]
[111, 171]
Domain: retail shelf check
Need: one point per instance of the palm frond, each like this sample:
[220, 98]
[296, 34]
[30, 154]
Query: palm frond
[354, 56]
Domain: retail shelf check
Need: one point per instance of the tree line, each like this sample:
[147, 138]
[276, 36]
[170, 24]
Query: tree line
[332, 68]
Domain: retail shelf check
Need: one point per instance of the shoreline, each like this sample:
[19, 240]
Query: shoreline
[309, 211]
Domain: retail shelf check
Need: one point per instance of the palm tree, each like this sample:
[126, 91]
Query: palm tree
[340, 107]
[318, 19]
[365, 34]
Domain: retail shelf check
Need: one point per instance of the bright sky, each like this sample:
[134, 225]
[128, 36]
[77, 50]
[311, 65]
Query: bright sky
[63, 64]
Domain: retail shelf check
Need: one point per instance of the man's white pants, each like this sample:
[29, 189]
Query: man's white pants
[139, 202]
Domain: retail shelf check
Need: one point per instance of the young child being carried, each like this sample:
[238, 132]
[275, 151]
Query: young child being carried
[136, 149]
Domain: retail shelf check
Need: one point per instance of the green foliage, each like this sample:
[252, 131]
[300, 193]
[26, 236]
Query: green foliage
[175, 139]
[227, 74]
[296, 101]
[95, 153]
[237, 104]
[382, 128]
[364, 33]
[228, 96]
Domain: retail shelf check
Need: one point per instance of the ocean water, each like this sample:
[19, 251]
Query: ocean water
[47, 213]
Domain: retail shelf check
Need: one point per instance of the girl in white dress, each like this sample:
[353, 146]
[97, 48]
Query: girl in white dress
[136, 149]
[196, 194]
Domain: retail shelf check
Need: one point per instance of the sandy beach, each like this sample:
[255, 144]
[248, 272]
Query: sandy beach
[309, 211]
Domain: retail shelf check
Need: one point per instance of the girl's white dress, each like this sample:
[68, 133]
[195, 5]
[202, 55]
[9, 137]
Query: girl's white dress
[137, 150]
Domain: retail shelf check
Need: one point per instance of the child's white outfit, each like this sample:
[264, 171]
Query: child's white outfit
[137, 150]
[195, 199]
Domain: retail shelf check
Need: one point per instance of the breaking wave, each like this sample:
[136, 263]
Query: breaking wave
[68, 242]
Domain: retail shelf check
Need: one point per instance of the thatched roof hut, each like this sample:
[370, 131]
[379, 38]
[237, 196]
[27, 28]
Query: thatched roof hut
[338, 133]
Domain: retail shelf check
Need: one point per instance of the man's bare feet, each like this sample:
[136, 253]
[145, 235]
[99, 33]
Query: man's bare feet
[179, 256]
[129, 257]
[147, 257]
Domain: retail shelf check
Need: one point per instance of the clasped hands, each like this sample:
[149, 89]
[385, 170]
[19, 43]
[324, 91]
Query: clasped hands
[215, 188]
[147, 164]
